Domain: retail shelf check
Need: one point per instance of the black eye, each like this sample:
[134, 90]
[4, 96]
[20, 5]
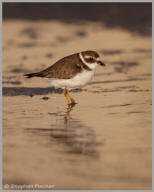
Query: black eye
[91, 59]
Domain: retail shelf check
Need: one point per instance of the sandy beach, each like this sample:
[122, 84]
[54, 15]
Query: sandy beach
[105, 141]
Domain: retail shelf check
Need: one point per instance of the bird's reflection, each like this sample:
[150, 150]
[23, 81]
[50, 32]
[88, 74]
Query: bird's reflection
[68, 111]
[79, 138]
[72, 134]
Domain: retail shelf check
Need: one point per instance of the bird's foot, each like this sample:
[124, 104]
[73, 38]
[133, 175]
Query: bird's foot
[72, 104]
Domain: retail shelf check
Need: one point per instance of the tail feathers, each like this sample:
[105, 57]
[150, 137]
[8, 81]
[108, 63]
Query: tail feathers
[30, 75]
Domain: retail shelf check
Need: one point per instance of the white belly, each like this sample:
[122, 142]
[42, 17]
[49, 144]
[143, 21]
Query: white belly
[78, 81]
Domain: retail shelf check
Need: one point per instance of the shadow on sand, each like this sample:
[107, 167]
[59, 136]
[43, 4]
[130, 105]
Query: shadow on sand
[31, 91]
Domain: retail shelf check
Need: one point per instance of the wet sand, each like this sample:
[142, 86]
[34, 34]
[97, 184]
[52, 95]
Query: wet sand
[103, 142]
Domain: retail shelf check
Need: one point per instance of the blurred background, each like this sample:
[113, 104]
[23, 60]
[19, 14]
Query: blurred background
[135, 17]
[105, 141]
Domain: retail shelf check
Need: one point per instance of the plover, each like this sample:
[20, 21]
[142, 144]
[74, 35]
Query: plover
[73, 71]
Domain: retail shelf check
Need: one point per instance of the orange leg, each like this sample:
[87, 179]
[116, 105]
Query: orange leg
[66, 95]
[72, 100]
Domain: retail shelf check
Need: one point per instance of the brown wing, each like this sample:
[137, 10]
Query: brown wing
[65, 68]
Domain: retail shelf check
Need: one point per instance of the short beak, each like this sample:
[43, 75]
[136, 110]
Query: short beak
[101, 63]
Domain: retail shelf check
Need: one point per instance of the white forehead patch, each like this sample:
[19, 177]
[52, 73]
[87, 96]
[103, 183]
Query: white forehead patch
[91, 66]
[88, 57]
